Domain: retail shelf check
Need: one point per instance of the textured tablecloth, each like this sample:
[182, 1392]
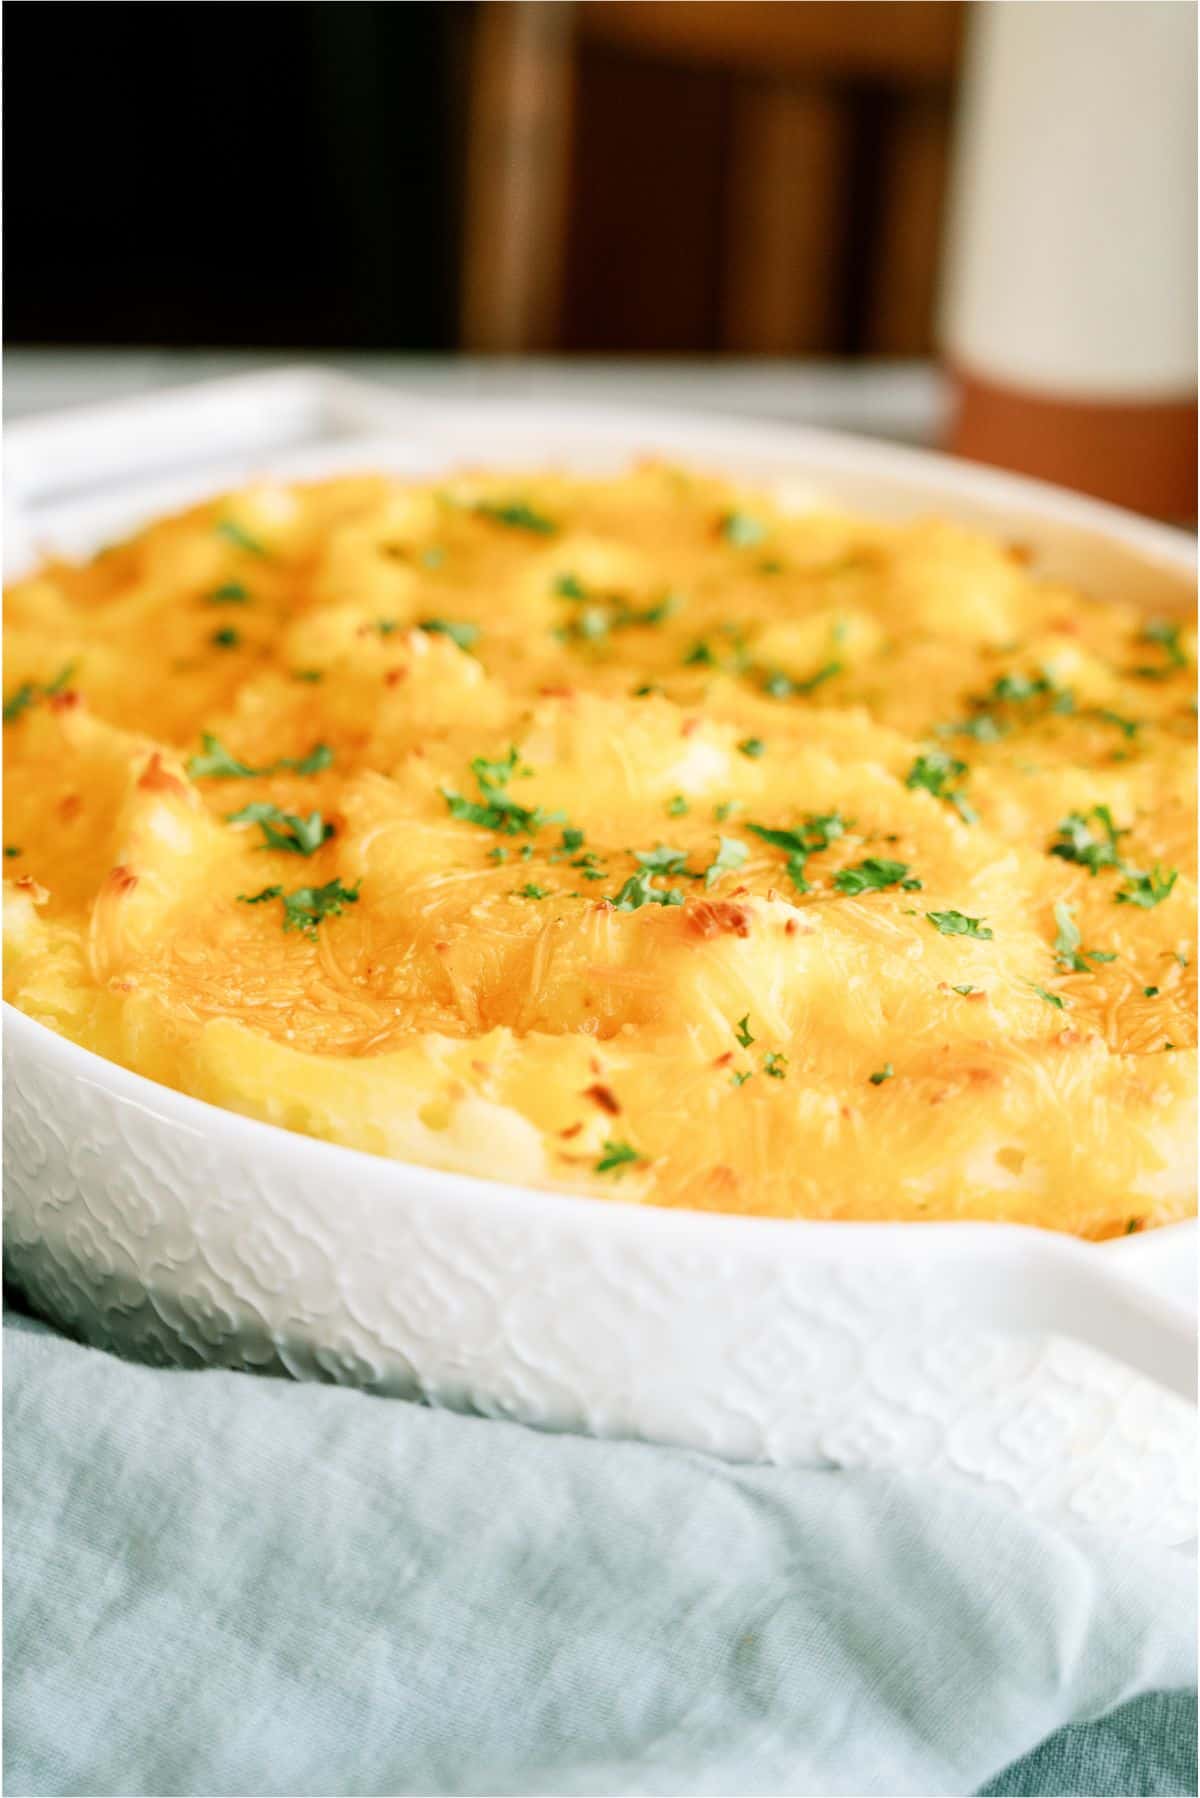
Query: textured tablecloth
[223, 1584]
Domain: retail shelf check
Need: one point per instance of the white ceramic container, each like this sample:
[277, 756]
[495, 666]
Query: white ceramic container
[1060, 1371]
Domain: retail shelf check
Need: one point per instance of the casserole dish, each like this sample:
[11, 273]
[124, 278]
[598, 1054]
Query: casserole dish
[147, 1220]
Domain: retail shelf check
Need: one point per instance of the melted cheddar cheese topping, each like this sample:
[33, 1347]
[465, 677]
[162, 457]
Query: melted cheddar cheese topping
[639, 837]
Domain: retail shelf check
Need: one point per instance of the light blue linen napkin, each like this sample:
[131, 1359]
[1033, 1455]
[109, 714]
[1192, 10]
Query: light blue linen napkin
[222, 1584]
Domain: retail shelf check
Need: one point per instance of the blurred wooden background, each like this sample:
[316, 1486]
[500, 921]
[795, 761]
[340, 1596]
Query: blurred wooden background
[657, 175]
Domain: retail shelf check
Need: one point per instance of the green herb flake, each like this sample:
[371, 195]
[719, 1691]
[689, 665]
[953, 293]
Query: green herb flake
[569, 586]
[1151, 992]
[754, 747]
[310, 675]
[11, 849]
[217, 763]
[1078, 840]
[1054, 999]
[638, 891]
[774, 1065]
[226, 638]
[299, 836]
[965, 991]
[741, 1079]
[942, 775]
[742, 1031]
[496, 809]
[886, 1072]
[678, 807]
[305, 908]
[1067, 951]
[743, 531]
[873, 876]
[517, 516]
[234, 533]
[319, 757]
[463, 634]
[29, 692]
[1147, 890]
[957, 923]
[532, 891]
[817, 831]
[700, 655]
[616, 1157]
[231, 593]
[1164, 634]
[729, 857]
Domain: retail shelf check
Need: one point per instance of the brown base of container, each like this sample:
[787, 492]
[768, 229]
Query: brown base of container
[1135, 454]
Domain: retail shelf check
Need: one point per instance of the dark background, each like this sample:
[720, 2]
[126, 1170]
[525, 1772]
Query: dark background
[231, 174]
[755, 179]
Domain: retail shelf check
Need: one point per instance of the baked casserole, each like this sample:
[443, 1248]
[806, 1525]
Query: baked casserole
[643, 837]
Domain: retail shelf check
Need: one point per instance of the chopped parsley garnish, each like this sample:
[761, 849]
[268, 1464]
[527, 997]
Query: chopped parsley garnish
[725, 810]
[1008, 690]
[616, 1157]
[318, 758]
[234, 533]
[299, 836]
[1054, 999]
[818, 830]
[873, 876]
[386, 627]
[941, 774]
[638, 891]
[517, 516]
[569, 586]
[1079, 841]
[1067, 952]
[743, 531]
[677, 807]
[532, 891]
[29, 692]
[226, 637]
[1128, 727]
[311, 675]
[782, 686]
[304, 909]
[231, 593]
[599, 618]
[464, 635]
[1147, 890]
[217, 763]
[1150, 992]
[662, 860]
[741, 1079]
[957, 923]
[1165, 635]
[572, 839]
[700, 655]
[742, 1031]
[774, 1065]
[753, 747]
[886, 1072]
[11, 849]
[730, 855]
[496, 809]
[965, 991]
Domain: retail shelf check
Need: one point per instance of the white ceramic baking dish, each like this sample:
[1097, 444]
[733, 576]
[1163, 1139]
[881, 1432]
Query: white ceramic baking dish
[142, 1219]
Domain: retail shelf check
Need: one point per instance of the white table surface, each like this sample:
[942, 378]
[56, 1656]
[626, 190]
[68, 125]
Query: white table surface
[903, 401]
